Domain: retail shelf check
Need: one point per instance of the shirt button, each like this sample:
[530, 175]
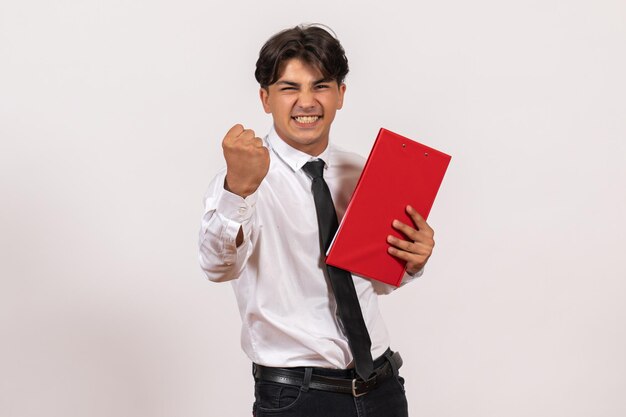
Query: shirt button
[241, 210]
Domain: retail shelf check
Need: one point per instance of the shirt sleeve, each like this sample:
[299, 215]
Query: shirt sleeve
[382, 288]
[411, 277]
[224, 214]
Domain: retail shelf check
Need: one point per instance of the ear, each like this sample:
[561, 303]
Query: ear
[264, 94]
[342, 91]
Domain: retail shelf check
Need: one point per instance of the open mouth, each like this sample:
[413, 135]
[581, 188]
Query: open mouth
[306, 120]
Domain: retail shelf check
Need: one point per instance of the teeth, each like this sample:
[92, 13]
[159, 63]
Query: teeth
[306, 119]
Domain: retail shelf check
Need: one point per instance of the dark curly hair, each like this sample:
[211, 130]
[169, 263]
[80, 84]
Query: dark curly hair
[310, 43]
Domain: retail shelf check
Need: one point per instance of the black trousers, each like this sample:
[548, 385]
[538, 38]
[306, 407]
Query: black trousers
[280, 400]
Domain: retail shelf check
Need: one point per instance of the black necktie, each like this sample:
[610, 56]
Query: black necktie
[340, 280]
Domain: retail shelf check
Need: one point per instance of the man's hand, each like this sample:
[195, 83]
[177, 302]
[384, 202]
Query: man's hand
[419, 244]
[247, 161]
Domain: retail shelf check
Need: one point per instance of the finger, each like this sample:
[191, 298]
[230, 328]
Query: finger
[231, 136]
[418, 248]
[404, 245]
[414, 236]
[246, 134]
[235, 130]
[407, 230]
[417, 218]
[406, 256]
[422, 249]
[266, 153]
[258, 142]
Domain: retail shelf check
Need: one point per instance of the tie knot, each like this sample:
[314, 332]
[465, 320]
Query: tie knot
[314, 169]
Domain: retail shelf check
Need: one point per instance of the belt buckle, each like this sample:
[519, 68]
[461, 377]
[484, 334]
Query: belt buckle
[354, 393]
[369, 384]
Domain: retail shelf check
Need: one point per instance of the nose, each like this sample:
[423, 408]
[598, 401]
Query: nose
[306, 99]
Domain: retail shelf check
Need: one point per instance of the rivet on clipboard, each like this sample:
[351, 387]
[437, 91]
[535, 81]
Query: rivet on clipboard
[425, 153]
[404, 145]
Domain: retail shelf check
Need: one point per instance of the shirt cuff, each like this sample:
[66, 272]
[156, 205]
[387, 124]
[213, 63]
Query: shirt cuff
[408, 277]
[235, 207]
[235, 212]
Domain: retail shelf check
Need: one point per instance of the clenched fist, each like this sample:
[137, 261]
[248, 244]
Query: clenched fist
[247, 161]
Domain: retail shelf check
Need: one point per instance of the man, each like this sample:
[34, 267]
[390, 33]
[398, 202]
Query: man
[262, 231]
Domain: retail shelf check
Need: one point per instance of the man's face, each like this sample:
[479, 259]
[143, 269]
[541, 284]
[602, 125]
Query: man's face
[303, 105]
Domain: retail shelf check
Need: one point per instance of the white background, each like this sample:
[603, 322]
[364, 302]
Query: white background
[111, 118]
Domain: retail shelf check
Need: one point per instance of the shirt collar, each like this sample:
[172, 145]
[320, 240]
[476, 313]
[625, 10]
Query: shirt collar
[294, 158]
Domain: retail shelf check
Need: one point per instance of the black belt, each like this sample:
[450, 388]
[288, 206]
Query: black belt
[355, 386]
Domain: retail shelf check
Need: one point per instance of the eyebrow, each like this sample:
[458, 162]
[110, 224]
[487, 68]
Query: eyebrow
[294, 84]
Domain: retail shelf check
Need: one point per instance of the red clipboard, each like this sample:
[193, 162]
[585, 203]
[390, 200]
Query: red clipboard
[398, 172]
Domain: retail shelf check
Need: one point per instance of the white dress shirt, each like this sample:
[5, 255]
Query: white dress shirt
[287, 308]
